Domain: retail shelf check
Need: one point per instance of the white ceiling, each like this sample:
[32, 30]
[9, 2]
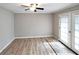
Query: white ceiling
[48, 7]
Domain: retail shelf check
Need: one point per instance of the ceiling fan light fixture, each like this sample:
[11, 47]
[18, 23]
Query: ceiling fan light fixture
[32, 8]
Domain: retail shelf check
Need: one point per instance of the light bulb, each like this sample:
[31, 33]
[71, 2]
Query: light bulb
[32, 8]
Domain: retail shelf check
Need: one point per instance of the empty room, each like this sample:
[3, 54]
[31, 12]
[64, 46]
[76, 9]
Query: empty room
[39, 28]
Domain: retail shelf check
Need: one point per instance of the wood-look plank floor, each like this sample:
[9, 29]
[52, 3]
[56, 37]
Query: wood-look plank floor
[36, 46]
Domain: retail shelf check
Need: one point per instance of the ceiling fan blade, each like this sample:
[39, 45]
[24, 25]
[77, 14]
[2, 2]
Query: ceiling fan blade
[26, 9]
[24, 6]
[40, 8]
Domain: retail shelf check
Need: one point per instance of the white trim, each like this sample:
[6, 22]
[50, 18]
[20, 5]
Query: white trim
[7, 45]
[34, 36]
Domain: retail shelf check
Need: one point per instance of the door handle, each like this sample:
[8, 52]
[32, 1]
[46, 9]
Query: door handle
[69, 31]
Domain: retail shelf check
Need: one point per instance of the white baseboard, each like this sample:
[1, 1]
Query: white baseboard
[7, 45]
[55, 36]
[34, 36]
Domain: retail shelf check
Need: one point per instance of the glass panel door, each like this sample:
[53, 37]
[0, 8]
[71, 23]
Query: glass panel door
[69, 30]
[64, 31]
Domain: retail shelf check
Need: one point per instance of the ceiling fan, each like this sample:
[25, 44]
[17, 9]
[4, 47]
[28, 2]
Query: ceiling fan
[33, 6]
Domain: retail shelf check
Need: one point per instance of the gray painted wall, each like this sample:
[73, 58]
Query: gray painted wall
[6, 28]
[27, 25]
